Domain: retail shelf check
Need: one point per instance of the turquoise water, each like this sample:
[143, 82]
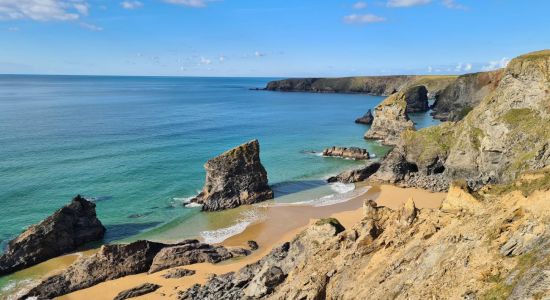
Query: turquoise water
[137, 145]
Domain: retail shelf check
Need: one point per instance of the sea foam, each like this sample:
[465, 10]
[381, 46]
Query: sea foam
[219, 235]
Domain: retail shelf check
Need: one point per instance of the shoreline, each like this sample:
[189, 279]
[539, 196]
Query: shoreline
[282, 223]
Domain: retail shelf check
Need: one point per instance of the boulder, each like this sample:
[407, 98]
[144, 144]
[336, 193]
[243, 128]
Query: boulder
[137, 291]
[356, 175]
[111, 262]
[417, 99]
[343, 152]
[253, 245]
[178, 273]
[67, 229]
[366, 119]
[192, 252]
[235, 178]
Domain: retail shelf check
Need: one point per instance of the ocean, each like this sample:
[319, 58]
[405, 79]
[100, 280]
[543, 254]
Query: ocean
[136, 146]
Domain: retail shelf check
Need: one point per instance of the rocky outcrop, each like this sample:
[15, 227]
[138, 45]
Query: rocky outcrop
[366, 119]
[410, 253]
[417, 99]
[235, 178]
[350, 153]
[390, 120]
[192, 252]
[141, 290]
[373, 85]
[356, 175]
[465, 93]
[67, 229]
[178, 273]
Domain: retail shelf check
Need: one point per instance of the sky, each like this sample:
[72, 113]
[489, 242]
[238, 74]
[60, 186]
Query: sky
[267, 38]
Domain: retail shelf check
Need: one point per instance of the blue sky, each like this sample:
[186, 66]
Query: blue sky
[267, 37]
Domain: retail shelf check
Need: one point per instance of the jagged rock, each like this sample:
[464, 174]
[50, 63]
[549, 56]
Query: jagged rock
[141, 290]
[343, 152]
[192, 252]
[178, 273]
[465, 93]
[234, 178]
[459, 199]
[407, 213]
[366, 119]
[356, 175]
[253, 245]
[417, 99]
[390, 120]
[68, 228]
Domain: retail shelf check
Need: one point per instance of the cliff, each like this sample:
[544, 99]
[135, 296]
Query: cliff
[374, 85]
[465, 93]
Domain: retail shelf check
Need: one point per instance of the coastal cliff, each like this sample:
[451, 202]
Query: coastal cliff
[373, 85]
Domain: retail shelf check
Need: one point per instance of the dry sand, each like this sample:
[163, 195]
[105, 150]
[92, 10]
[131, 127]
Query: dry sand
[281, 224]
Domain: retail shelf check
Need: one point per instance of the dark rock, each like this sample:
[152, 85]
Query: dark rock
[111, 262]
[68, 228]
[253, 245]
[178, 273]
[417, 99]
[343, 152]
[356, 175]
[192, 252]
[141, 290]
[366, 119]
[235, 178]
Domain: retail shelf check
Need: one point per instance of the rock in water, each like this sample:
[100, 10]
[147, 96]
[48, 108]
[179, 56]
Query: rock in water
[141, 290]
[366, 119]
[235, 178]
[356, 175]
[343, 152]
[417, 99]
[68, 228]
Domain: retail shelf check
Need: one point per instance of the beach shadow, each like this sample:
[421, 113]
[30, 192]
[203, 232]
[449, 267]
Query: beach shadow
[290, 187]
[122, 231]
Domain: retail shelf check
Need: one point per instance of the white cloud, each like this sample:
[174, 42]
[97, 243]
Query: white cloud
[360, 5]
[191, 3]
[221, 58]
[458, 67]
[205, 61]
[13, 29]
[43, 10]
[131, 4]
[91, 27]
[468, 67]
[259, 54]
[453, 5]
[363, 19]
[496, 64]
[430, 69]
[407, 3]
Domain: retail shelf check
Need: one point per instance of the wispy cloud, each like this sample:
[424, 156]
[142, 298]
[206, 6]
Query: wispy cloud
[259, 54]
[205, 61]
[131, 4]
[452, 4]
[407, 3]
[496, 64]
[363, 19]
[190, 3]
[43, 10]
[360, 5]
[91, 27]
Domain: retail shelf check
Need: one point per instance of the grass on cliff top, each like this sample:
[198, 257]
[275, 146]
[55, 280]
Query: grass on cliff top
[536, 54]
[527, 185]
[428, 143]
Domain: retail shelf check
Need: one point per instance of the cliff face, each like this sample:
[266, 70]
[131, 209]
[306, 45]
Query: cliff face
[465, 93]
[494, 246]
[507, 133]
[374, 85]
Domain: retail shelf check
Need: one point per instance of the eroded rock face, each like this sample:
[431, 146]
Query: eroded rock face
[141, 290]
[390, 120]
[461, 96]
[68, 228]
[417, 99]
[235, 178]
[178, 273]
[111, 262]
[192, 252]
[350, 153]
[366, 119]
[356, 175]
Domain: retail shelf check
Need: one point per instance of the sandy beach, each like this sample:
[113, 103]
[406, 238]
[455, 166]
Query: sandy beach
[281, 224]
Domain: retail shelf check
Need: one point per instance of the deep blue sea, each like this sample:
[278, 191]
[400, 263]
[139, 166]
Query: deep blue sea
[137, 145]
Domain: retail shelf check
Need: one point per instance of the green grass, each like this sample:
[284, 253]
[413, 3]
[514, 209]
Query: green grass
[520, 117]
[427, 144]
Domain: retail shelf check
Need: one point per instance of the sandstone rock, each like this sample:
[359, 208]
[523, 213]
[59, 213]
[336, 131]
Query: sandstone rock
[141, 290]
[407, 213]
[234, 178]
[356, 175]
[366, 119]
[417, 99]
[111, 262]
[68, 228]
[192, 252]
[459, 199]
[343, 152]
[178, 273]
[390, 120]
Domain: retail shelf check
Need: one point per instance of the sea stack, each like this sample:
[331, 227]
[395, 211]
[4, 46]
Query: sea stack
[68, 228]
[235, 178]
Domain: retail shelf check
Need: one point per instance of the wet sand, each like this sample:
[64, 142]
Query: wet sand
[281, 224]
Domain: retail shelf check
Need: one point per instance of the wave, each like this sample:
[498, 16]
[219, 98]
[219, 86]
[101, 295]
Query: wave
[340, 197]
[219, 235]
[185, 202]
[342, 188]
